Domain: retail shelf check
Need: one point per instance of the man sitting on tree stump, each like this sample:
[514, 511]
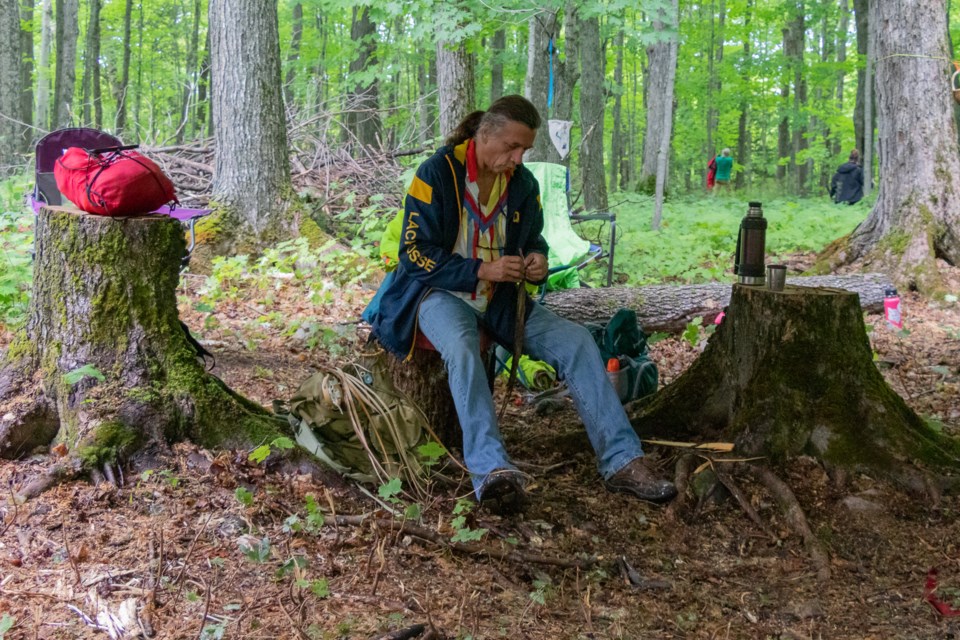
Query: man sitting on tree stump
[471, 236]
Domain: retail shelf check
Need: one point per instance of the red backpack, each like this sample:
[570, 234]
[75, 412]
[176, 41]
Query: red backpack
[112, 182]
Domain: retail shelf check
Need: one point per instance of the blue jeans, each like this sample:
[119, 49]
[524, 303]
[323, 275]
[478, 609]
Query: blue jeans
[451, 325]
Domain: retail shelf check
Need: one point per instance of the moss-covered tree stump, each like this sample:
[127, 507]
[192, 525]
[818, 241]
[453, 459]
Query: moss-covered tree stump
[790, 373]
[104, 302]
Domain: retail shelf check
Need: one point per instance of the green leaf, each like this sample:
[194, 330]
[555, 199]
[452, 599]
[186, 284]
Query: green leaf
[6, 623]
[78, 374]
[244, 496]
[432, 452]
[283, 443]
[412, 512]
[260, 454]
[390, 490]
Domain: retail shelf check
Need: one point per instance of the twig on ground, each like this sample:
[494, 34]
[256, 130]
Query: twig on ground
[743, 501]
[206, 609]
[186, 561]
[66, 546]
[404, 634]
[293, 625]
[13, 501]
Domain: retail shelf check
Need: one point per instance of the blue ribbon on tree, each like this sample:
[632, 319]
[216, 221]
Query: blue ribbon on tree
[550, 81]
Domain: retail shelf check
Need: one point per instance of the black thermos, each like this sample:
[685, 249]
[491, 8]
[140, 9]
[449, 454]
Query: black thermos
[751, 241]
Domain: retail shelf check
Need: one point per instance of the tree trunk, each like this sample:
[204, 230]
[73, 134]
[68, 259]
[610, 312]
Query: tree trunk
[800, 144]
[837, 146]
[497, 47]
[104, 300]
[252, 175]
[26, 69]
[869, 105]
[671, 307]
[455, 84]
[617, 135]
[90, 86]
[10, 130]
[743, 137]
[43, 68]
[67, 27]
[425, 110]
[293, 57]
[658, 103]
[917, 215]
[363, 101]
[666, 130]
[592, 113]
[861, 18]
[541, 29]
[190, 84]
[798, 378]
[566, 73]
[424, 380]
[204, 111]
[121, 121]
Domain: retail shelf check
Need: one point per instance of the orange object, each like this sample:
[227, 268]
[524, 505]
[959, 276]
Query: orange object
[613, 364]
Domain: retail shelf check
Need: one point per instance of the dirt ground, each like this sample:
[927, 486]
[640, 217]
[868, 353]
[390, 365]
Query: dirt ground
[201, 544]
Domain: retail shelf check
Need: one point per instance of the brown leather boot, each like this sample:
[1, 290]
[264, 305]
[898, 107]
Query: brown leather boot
[637, 480]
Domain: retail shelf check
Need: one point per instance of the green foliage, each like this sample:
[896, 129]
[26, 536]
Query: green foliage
[78, 374]
[431, 453]
[16, 266]
[244, 496]
[390, 490]
[462, 530]
[255, 550]
[262, 452]
[697, 239]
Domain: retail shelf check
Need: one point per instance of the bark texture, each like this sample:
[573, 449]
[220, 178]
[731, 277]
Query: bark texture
[670, 307]
[26, 68]
[541, 28]
[363, 117]
[592, 112]
[791, 373]
[67, 29]
[917, 215]
[455, 84]
[659, 104]
[43, 67]
[252, 175]
[424, 380]
[90, 87]
[9, 84]
[104, 295]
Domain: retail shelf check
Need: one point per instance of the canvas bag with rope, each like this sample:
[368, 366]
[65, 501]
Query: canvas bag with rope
[354, 420]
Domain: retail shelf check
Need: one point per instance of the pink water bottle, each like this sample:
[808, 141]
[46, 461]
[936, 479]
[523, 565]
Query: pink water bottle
[891, 309]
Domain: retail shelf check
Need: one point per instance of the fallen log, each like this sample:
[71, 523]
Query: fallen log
[671, 307]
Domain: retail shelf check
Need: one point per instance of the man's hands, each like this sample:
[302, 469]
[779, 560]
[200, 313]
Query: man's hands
[536, 267]
[515, 269]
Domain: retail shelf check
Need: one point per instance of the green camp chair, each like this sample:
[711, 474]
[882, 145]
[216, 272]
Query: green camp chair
[568, 251]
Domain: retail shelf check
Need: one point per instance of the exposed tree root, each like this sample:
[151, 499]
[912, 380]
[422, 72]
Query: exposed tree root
[744, 502]
[55, 475]
[794, 515]
[469, 549]
[682, 471]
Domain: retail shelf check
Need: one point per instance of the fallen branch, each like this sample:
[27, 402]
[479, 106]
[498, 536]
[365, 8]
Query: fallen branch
[468, 549]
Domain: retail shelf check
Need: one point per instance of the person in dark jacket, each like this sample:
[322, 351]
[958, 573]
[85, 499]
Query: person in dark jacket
[847, 183]
[471, 236]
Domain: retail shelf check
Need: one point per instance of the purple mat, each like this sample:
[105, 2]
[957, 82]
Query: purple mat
[179, 213]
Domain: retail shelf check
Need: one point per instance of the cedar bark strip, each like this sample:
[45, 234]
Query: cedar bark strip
[104, 294]
[792, 373]
[670, 307]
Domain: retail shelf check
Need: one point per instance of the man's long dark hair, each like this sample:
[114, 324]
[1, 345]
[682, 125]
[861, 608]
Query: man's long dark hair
[512, 108]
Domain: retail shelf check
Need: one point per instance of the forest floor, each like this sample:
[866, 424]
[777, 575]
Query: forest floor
[178, 552]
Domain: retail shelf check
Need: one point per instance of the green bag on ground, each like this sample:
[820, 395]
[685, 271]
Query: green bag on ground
[356, 422]
[622, 338]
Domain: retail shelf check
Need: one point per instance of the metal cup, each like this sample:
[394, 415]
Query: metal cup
[776, 276]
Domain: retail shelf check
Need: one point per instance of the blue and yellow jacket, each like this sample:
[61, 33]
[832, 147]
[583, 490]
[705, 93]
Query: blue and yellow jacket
[431, 225]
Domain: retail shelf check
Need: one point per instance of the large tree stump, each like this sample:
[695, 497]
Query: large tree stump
[104, 295]
[790, 373]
